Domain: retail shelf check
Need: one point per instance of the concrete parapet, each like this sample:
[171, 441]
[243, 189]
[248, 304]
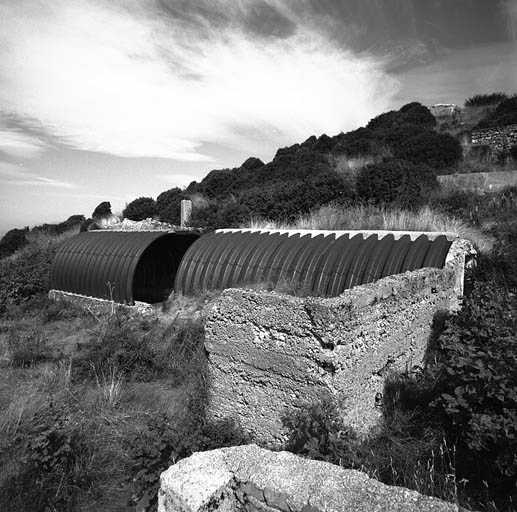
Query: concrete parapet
[252, 479]
[269, 353]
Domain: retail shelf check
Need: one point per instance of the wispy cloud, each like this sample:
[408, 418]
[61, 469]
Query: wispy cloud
[20, 145]
[14, 175]
[160, 79]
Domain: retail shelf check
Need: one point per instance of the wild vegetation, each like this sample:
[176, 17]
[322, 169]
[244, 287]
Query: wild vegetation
[93, 407]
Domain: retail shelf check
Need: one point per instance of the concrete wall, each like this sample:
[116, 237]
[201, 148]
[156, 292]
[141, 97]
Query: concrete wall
[479, 182]
[251, 479]
[269, 352]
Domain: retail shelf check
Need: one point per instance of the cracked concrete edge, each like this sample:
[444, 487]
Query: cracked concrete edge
[197, 484]
[280, 481]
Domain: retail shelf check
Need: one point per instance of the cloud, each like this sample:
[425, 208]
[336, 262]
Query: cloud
[14, 175]
[510, 12]
[20, 145]
[149, 79]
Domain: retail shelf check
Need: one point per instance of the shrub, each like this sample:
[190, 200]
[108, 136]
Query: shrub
[179, 349]
[505, 114]
[102, 210]
[395, 181]
[27, 348]
[477, 384]
[54, 464]
[168, 205]
[402, 452]
[162, 444]
[437, 150]
[119, 349]
[140, 209]
[318, 432]
[12, 241]
[27, 273]
[481, 100]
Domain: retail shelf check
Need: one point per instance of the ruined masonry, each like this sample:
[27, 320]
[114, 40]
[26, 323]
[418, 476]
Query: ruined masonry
[252, 479]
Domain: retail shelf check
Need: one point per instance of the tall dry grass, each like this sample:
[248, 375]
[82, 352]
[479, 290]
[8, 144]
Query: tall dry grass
[371, 217]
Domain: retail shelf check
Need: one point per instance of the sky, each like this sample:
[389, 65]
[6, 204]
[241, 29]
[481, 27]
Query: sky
[110, 100]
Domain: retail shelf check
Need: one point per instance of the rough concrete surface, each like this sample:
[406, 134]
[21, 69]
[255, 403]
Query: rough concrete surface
[252, 479]
[269, 353]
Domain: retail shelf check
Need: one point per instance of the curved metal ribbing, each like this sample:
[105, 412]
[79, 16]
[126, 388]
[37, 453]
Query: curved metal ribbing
[317, 263]
[103, 263]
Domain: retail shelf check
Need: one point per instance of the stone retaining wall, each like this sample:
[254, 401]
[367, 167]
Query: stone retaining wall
[252, 479]
[500, 138]
[269, 353]
[96, 305]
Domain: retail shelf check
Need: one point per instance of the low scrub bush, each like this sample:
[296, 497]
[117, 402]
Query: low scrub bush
[119, 348]
[318, 432]
[53, 467]
[27, 273]
[479, 100]
[396, 181]
[179, 348]
[476, 387]
[163, 443]
[402, 453]
[27, 348]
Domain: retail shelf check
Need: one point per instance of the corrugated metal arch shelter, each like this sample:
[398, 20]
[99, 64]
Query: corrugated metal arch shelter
[121, 265]
[321, 263]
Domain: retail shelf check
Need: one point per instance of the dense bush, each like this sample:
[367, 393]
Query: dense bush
[140, 209]
[53, 456]
[27, 348]
[163, 444]
[476, 386]
[27, 273]
[119, 349]
[317, 431]
[102, 210]
[505, 114]
[436, 150]
[71, 224]
[481, 100]
[395, 181]
[168, 205]
[12, 241]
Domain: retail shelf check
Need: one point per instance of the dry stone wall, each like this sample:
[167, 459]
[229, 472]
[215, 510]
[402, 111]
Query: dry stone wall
[500, 139]
[270, 353]
[252, 479]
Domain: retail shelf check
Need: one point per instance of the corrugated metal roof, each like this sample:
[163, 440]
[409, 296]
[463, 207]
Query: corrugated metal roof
[103, 263]
[323, 263]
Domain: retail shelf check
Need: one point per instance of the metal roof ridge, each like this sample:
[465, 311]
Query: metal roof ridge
[381, 233]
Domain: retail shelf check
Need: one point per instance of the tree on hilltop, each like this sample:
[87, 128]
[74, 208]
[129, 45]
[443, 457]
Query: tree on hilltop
[168, 205]
[102, 210]
[140, 209]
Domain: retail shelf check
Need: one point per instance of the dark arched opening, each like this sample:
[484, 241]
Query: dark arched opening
[156, 270]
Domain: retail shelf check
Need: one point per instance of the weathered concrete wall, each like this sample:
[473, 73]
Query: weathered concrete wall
[267, 351]
[479, 182]
[251, 479]
[500, 138]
